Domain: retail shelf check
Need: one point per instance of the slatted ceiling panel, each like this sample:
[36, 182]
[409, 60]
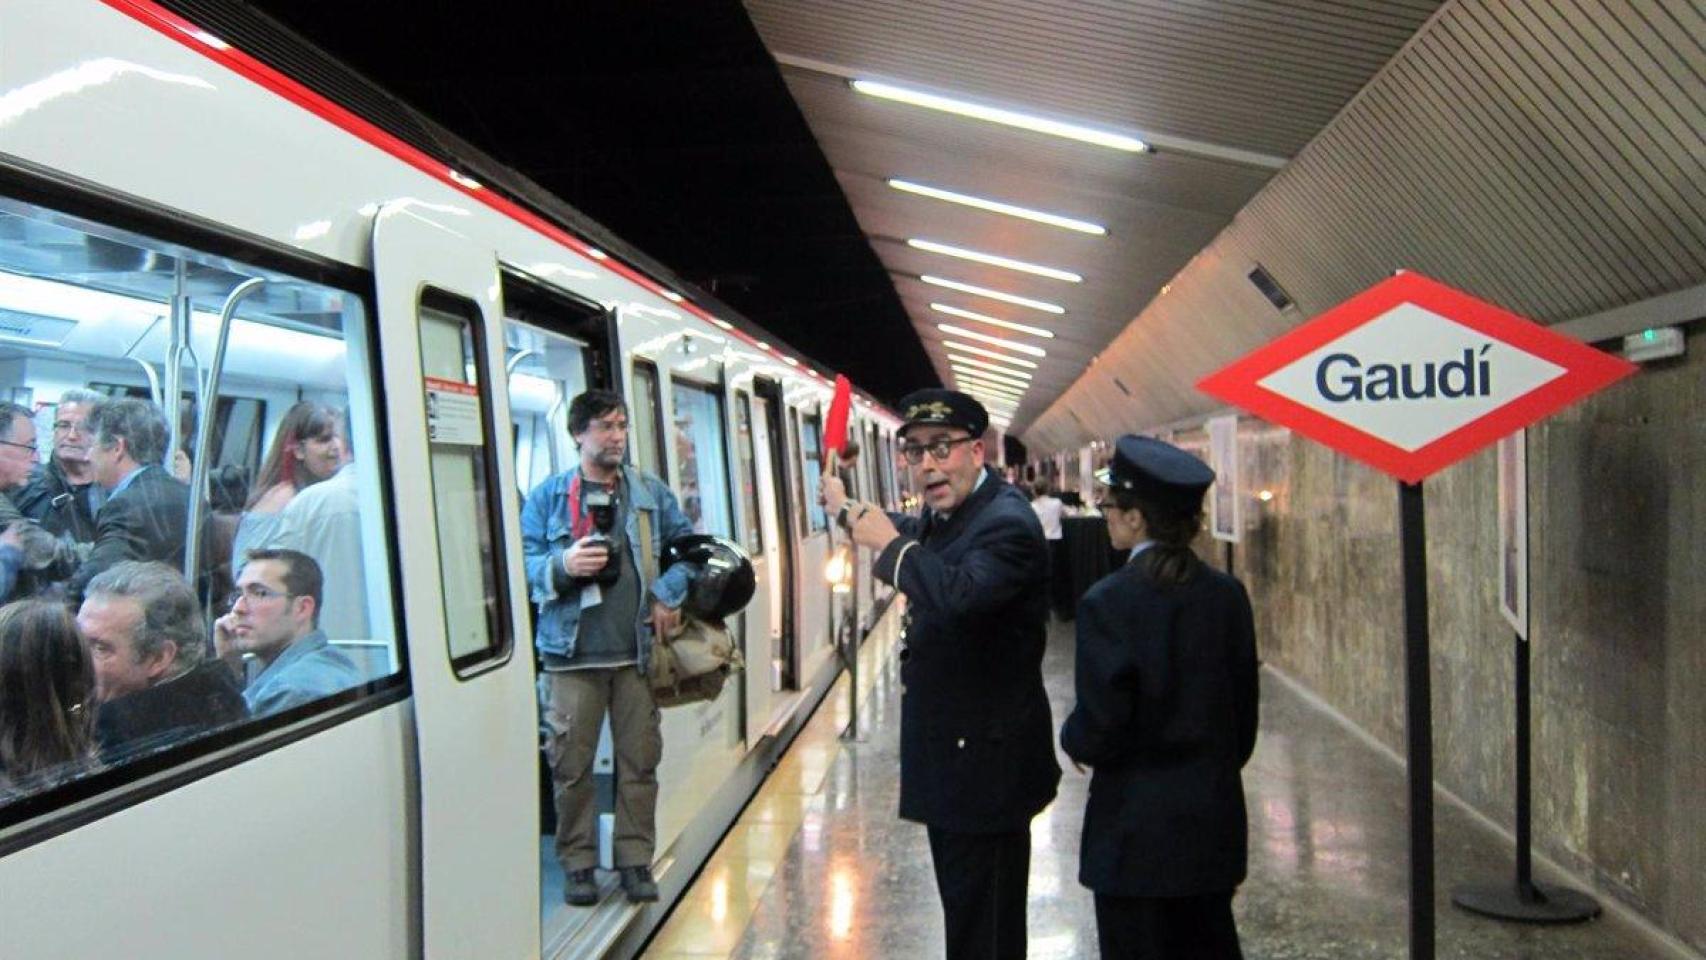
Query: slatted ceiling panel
[1549, 155]
[1264, 76]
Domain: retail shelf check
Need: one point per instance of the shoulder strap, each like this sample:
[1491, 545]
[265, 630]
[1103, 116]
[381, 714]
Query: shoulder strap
[648, 558]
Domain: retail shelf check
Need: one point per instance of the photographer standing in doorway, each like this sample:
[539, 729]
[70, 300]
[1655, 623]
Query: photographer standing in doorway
[598, 618]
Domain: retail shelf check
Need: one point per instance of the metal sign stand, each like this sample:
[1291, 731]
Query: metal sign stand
[1418, 722]
[1525, 900]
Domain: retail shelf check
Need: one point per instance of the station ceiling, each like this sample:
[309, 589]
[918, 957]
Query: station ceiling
[1549, 155]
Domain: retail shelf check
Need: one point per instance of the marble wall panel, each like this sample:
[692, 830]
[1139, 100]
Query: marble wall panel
[1617, 502]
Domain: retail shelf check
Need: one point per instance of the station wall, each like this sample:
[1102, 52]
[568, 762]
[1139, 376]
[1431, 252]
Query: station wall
[1617, 514]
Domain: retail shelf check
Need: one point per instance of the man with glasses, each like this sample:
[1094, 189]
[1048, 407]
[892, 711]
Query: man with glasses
[977, 757]
[584, 533]
[275, 618]
[62, 494]
[30, 557]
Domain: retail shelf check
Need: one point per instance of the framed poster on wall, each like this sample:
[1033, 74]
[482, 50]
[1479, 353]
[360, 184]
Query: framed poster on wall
[1513, 530]
[1224, 503]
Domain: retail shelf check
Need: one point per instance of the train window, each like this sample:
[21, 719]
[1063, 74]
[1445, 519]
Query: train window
[748, 473]
[811, 460]
[701, 452]
[794, 473]
[248, 526]
[546, 372]
[467, 507]
[645, 420]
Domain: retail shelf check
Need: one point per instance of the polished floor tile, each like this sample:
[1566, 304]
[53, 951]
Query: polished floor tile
[833, 873]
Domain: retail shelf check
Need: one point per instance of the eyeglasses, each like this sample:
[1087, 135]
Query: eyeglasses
[939, 449]
[34, 451]
[255, 593]
[70, 426]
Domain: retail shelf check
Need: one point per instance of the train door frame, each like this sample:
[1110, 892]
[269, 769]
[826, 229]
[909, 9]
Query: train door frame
[786, 550]
[475, 723]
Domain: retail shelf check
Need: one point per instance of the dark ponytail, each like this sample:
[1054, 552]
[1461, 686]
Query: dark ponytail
[1171, 528]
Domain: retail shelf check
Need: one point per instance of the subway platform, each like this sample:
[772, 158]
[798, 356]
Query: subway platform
[819, 866]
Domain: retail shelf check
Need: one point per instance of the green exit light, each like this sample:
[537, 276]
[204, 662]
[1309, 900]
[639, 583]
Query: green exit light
[1649, 335]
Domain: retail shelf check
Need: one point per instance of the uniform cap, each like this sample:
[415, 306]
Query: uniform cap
[1156, 470]
[946, 408]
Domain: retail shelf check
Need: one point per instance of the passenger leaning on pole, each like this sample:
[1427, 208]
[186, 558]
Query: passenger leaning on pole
[977, 755]
[583, 531]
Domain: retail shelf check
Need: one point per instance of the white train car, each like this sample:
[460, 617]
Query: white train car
[182, 222]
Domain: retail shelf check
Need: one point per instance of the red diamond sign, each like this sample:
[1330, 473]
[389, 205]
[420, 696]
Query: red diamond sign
[1411, 376]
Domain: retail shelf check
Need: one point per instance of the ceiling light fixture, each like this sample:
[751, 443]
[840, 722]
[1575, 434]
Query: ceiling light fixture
[1024, 348]
[976, 256]
[1010, 378]
[981, 387]
[992, 354]
[977, 376]
[982, 318]
[1019, 374]
[1042, 305]
[996, 206]
[1010, 118]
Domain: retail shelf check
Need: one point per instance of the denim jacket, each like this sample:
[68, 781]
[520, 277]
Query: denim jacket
[546, 534]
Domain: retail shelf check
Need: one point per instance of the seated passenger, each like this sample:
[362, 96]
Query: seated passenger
[153, 678]
[306, 450]
[47, 696]
[146, 508]
[274, 616]
[62, 494]
[324, 521]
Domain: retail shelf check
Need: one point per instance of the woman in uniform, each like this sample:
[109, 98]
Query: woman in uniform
[1166, 716]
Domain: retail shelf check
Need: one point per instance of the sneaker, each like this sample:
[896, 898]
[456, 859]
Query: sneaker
[637, 882]
[581, 890]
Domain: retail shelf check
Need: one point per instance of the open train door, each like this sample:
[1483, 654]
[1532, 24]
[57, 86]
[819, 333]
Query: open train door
[463, 588]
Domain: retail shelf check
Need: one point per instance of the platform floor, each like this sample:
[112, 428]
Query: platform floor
[820, 867]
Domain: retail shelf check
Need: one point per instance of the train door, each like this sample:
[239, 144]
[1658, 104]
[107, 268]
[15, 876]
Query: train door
[556, 346]
[773, 460]
[474, 722]
[762, 618]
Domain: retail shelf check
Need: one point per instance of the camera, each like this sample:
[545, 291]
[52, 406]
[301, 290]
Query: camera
[600, 505]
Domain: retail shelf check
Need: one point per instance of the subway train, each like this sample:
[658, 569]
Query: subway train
[228, 236]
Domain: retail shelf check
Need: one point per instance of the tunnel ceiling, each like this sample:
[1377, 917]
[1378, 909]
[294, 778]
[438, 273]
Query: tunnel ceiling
[1226, 93]
[1547, 157]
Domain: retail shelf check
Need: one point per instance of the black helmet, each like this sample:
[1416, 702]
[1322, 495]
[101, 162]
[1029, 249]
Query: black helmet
[725, 582]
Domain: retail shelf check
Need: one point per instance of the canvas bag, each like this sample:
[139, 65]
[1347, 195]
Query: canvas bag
[690, 665]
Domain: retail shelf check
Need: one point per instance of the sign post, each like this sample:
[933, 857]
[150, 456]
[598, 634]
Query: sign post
[1411, 376]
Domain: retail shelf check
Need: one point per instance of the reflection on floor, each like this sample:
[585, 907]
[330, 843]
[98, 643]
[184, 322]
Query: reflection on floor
[820, 867]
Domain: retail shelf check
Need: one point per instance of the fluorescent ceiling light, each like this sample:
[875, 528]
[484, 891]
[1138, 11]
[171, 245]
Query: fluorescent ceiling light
[1024, 348]
[1020, 374]
[974, 376]
[981, 318]
[992, 354]
[976, 256]
[996, 206]
[1042, 305]
[979, 387]
[1010, 118]
[1011, 379]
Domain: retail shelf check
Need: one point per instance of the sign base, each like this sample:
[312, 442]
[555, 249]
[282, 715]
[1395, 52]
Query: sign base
[1535, 903]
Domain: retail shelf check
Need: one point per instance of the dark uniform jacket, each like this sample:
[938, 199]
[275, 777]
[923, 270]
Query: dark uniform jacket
[976, 737]
[62, 509]
[1166, 714]
[144, 521]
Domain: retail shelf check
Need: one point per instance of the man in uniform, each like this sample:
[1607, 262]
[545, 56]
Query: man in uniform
[977, 756]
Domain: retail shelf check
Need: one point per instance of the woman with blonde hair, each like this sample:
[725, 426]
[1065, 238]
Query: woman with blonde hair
[47, 690]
